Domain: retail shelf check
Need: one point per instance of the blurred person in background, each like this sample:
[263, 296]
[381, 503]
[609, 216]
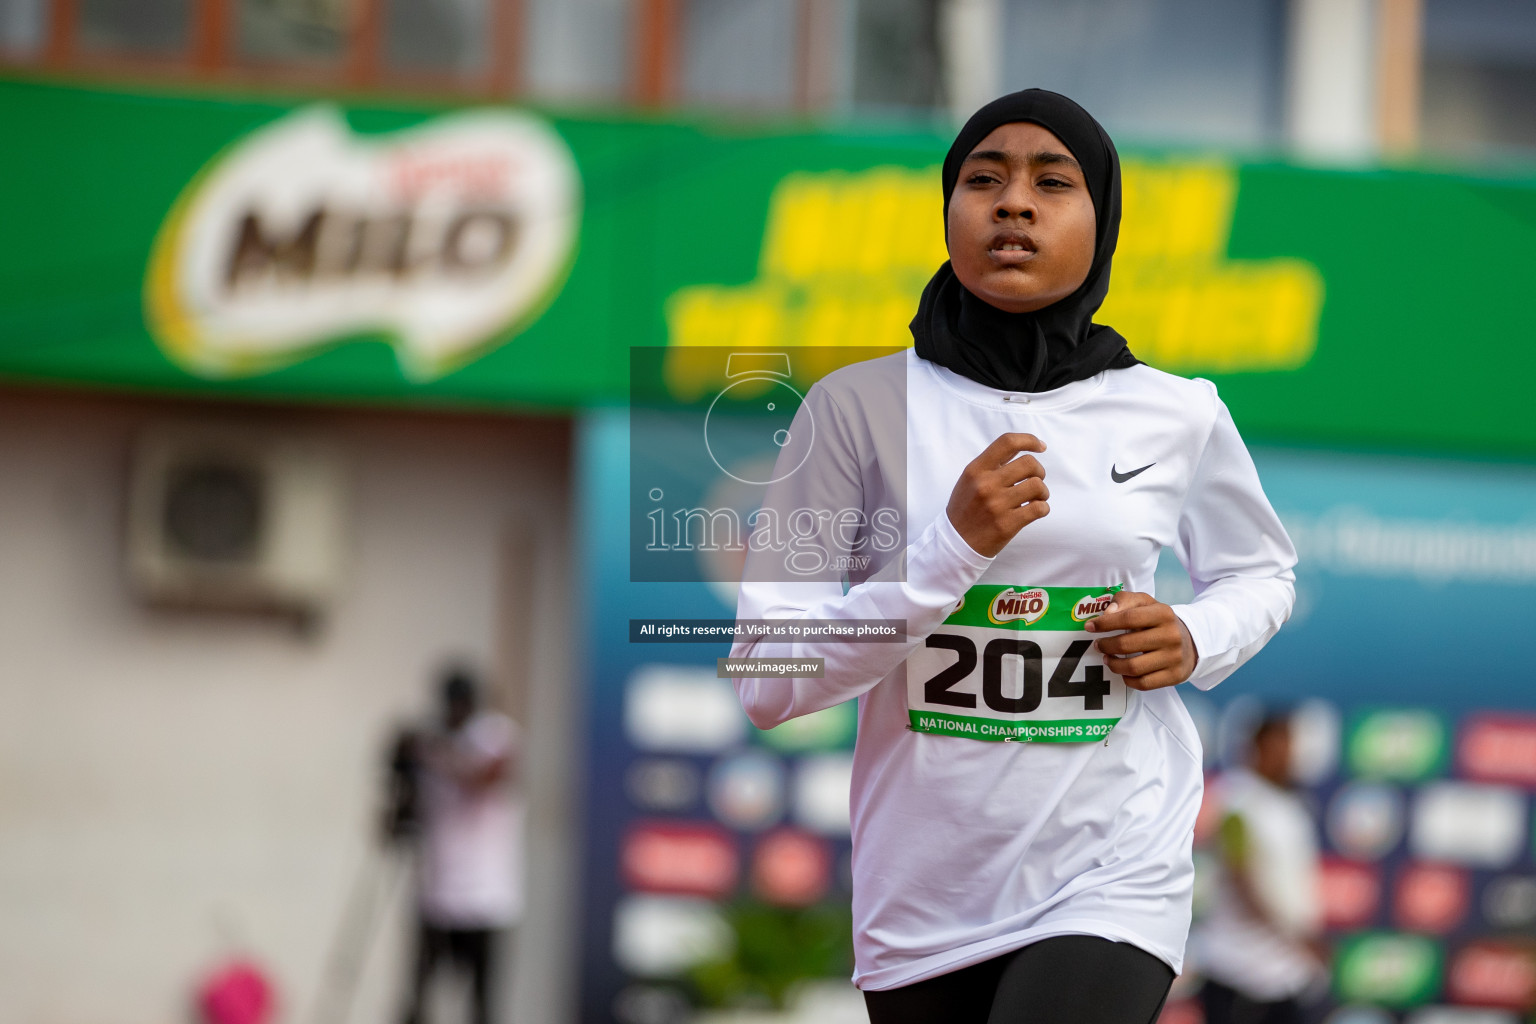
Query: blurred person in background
[453, 796]
[1260, 945]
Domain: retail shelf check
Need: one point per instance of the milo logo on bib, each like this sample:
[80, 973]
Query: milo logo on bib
[1013, 663]
[1019, 605]
[1091, 607]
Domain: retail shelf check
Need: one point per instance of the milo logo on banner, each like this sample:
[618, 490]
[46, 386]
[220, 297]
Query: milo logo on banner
[1025, 606]
[445, 239]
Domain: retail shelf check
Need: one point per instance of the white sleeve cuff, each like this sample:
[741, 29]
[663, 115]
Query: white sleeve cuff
[1212, 667]
[940, 567]
[956, 546]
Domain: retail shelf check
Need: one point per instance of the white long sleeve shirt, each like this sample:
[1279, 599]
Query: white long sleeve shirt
[471, 845]
[964, 849]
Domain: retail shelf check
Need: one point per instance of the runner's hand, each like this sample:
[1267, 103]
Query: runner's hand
[999, 493]
[1156, 650]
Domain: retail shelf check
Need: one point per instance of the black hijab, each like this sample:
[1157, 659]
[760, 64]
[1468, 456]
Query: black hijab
[1049, 347]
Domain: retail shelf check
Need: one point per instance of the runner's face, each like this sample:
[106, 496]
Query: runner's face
[1021, 222]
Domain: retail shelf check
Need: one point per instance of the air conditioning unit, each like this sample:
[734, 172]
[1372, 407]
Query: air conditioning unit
[236, 518]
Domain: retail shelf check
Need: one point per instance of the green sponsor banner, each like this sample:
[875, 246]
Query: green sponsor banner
[1390, 968]
[1059, 731]
[1053, 609]
[492, 257]
[1397, 744]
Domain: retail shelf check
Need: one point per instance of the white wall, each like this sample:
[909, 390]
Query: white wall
[175, 783]
[971, 33]
[1331, 79]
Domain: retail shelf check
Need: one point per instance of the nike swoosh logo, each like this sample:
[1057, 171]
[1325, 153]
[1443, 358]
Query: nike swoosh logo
[1120, 478]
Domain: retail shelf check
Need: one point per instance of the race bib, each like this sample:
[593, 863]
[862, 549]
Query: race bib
[1014, 663]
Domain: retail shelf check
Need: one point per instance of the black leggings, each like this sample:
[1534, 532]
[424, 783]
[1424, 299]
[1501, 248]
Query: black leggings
[1225, 1005]
[1074, 979]
[473, 949]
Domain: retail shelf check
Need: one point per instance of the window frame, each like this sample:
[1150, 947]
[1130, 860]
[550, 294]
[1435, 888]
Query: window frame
[211, 56]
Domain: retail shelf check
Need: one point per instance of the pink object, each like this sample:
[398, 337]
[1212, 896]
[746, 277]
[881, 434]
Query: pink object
[695, 860]
[1350, 892]
[1499, 748]
[237, 993]
[1431, 898]
[791, 869]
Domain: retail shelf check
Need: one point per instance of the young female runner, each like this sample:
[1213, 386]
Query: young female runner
[1021, 818]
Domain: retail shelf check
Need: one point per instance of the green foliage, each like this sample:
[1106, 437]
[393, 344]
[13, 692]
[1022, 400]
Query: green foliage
[776, 948]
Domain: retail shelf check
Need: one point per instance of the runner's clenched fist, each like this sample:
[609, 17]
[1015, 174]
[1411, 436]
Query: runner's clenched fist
[1155, 651]
[999, 492]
